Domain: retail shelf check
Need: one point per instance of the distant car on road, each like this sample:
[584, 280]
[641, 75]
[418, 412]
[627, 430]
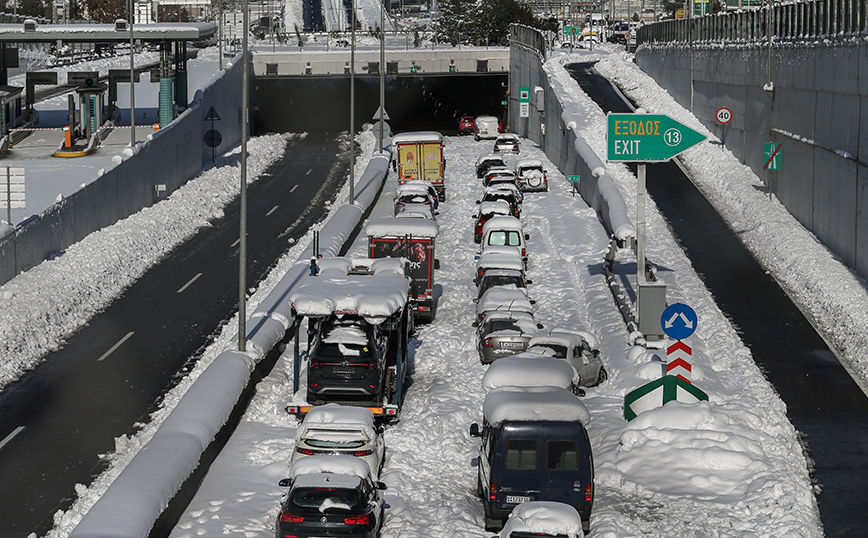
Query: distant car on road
[531, 175]
[486, 162]
[466, 125]
[506, 143]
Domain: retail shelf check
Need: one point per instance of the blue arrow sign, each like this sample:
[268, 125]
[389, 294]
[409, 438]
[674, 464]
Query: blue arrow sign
[678, 321]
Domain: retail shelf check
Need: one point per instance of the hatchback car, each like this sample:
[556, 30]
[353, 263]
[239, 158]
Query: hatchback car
[497, 258]
[579, 348]
[510, 278]
[484, 162]
[491, 194]
[506, 143]
[503, 300]
[330, 496]
[347, 360]
[334, 429]
[414, 194]
[531, 175]
[486, 211]
[502, 334]
[466, 125]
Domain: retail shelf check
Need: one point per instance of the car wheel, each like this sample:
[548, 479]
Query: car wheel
[602, 376]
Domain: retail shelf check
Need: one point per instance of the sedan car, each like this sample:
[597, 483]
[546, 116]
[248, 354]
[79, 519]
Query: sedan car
[502, 334]
[503, 300]
[330, 496]
[579, 348]
[334, 429]
[511, 278]
[506, 143]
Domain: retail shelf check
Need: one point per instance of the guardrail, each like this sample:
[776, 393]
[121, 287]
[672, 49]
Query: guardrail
[797, 22]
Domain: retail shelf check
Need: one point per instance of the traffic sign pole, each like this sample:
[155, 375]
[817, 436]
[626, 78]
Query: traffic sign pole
[640, 224]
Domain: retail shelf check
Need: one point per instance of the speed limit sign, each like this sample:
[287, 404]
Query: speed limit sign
[723, 115]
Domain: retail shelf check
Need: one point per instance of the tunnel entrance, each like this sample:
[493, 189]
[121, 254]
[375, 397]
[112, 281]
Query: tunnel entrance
[417, 102]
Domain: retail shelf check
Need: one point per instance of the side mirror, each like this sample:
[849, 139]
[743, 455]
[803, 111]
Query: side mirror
[380, 485]
[539, 326]
[475, 300]
[474, 430]
[436, 213]
[474, 324]
[478, 202]
[528, 282]
[526, 237]
[436, 263]
[532, 301]
[285, 482]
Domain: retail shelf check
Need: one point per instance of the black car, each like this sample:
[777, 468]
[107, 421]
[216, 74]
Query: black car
[492, 193]
[347, 361]
[331, 501]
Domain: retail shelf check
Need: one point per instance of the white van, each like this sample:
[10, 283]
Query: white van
[507, 232]
[486, 127]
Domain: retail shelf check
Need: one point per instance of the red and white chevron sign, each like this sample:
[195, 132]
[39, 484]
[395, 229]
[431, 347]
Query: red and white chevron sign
[678, 360]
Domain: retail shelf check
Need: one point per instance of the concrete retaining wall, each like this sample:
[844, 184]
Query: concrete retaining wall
[169, 157]
[816, 115]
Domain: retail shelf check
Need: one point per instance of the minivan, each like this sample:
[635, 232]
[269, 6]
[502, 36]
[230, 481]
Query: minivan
[505, 232]
[523, 457]
[486, 127]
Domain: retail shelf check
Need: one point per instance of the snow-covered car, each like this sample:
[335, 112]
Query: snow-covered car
[508, 183]
[543, 518]
[531, 175]
[347, 359]
[506, 143]
[498, 175]
[333, 429]
[534, 447]
[531, 370]
[502, 334]
[331, 496]
[496, 258]
[503, 300]
[466, 125]
[505, 232]
[508, 278]
[486, 127]
[413, 194]
[486, 211]
[485, 162]
[580, 349]
[491, 194]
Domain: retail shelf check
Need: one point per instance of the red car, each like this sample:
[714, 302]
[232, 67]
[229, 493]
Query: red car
[466, 125]
[500, 127]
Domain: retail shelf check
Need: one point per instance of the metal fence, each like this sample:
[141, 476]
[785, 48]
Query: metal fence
[795, 22]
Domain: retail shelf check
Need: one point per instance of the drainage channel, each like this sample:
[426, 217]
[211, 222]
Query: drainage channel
[826, 406]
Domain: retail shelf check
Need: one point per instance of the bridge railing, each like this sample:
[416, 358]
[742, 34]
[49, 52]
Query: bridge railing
[795, 22]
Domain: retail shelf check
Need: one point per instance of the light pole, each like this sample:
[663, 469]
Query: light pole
[382, 73]
[132, 79]
[352, 102]
[242, 245]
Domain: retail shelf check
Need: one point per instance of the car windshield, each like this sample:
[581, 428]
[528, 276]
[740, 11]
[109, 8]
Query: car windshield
[502, 280]
[503, 325]
[413, 199]
[504, 238]
[326, 500]
[560, 351]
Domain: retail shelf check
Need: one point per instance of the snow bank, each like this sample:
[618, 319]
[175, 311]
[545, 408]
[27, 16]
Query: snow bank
[544, 517]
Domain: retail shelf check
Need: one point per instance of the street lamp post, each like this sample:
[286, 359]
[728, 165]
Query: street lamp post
[132, 79]
[242, 245]
[352, 102]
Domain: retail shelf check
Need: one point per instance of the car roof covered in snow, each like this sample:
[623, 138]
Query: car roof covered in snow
[348, 467]
[508, 136]
[334, 417]
[546, 517]
[564, 337]
[500, 258]
[417, 136]
[401, 227]
[375, 295]
[530, 370]
[504, 298]
[489, 157]
[501, 207]
[413, 187]
[527, 404]
[504, 222]
[528, 163]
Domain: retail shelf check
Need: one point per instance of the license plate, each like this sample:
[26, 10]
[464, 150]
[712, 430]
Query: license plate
[510, 344]
[517, 499]
[344, 371]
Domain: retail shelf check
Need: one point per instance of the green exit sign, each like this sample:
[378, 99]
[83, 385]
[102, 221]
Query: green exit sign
[647, 137]
[574, 179]
[504, 103]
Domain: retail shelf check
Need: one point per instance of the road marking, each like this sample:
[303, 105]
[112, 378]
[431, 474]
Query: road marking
[11, 436]
[235, 244]
[194, 279]
[293, 189]
[114, 347]
[308, 172]
[273, 209]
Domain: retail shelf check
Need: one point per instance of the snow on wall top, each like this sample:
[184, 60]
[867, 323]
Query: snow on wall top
[400, 227]
[332, 416]
[546, 517]
[346, 466]
[527, 404]
[529, 370]
[375, 295]
[416, 137]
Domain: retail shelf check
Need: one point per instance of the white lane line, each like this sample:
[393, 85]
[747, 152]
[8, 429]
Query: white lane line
[273, 209]
[114, 347]
[235, 244]
[11, 436]
[308, 172]
[194, 279]
[293, 189]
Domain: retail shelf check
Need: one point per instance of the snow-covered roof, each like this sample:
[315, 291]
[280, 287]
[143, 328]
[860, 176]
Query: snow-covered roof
[508, 136]
[494, 189]
[337, 418]
[401, 227]
[418, 136]
[412, 213]
[503, 298]
[527, 163]
[525, 404]
[349, 466]
[564, 337]
[420, 209]
[547, 517]
[489, 157]
[414, 186]
[189, 31]
[375, 296]
[529, 370]
[495, 206]
[504, 222]
[500, 258]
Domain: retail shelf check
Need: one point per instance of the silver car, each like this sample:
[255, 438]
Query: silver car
[502, 334]
[579, 348]
[506, 143]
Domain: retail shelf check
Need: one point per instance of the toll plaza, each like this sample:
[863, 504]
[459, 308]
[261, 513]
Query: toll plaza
[172, 71]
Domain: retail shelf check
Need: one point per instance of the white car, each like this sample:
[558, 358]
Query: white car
[531, 175]
[506, 143]
[334, 429]
[580, 349]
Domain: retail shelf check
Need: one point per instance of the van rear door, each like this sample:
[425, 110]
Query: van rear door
[517, 471]
[569, 467]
